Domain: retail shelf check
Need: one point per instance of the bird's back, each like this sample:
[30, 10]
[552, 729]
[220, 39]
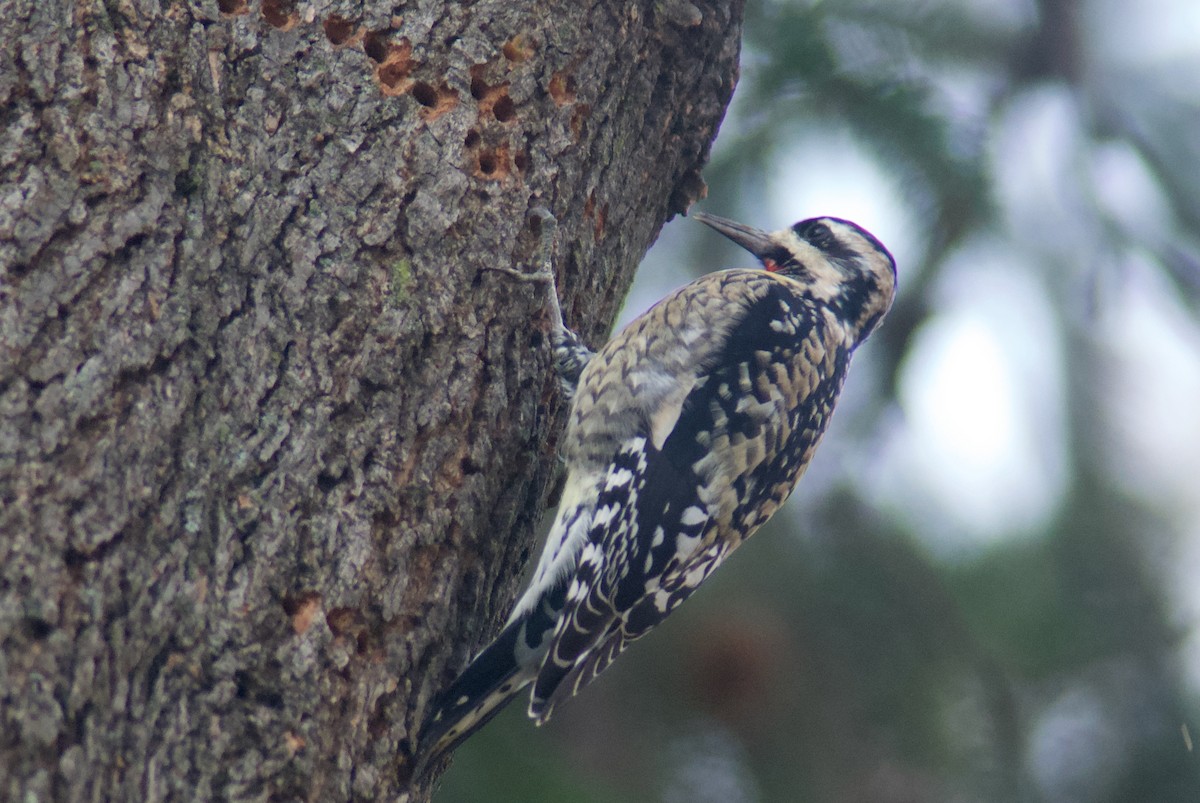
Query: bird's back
[733, 375]
[692, 426]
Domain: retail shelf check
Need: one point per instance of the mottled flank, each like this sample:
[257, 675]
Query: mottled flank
[687, 432]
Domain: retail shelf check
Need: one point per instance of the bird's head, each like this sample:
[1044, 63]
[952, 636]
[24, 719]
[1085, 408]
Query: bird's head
[840, 264]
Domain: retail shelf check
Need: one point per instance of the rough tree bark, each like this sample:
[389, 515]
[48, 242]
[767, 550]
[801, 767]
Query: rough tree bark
[272, 442]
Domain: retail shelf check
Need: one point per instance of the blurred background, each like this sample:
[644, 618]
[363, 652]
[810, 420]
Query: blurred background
[987, 587]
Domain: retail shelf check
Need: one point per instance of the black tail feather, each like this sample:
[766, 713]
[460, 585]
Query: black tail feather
[492, 679]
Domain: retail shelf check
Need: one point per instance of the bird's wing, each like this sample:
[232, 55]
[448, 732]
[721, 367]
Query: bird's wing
[646, 497]
[667, 516]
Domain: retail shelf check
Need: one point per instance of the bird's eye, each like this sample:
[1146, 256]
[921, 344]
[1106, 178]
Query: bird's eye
[820, 236]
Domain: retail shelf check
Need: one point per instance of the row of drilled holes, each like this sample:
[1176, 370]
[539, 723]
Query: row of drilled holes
[339, 31]
[395, 65]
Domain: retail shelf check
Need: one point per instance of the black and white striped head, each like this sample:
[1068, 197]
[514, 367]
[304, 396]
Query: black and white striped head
[840, 264]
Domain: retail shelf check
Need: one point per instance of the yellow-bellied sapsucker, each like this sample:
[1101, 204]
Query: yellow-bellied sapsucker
[686, 432]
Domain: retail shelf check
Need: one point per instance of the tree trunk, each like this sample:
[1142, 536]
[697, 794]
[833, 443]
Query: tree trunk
[273, 442]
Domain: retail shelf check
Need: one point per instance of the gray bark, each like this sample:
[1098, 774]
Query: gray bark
[272, 441]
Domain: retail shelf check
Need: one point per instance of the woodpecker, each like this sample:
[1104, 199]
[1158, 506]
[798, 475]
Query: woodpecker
[686, 432]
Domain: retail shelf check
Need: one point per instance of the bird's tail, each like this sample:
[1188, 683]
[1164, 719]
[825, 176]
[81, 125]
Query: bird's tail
[479, 693]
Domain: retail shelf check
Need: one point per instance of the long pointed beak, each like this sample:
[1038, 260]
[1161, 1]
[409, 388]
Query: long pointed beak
[753, 240]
